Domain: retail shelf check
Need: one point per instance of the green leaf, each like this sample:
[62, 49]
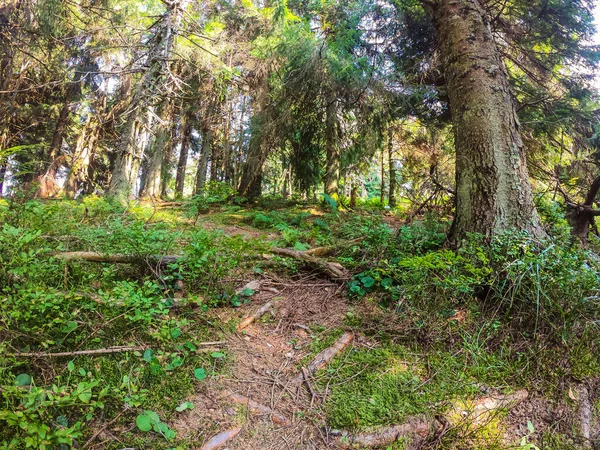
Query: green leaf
[200, 373]
[62, 421]
[217, 355]
[175, 333]
[367, 281]
[23, 380]
[85, 396]
[69, 326]
[82, 372]
[148, 355]
[143, 422]
[71, 366]
[184, 406]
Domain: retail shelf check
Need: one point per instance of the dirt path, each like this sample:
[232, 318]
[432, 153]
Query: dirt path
[266, 359]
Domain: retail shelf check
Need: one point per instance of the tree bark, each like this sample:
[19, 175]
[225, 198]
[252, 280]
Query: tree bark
[492, 181]
[583, 217]
[82, 157]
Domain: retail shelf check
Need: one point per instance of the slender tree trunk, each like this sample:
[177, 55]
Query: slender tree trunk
[392, 170]
[353, 195]
[167, 163]
[332, 169]
[492, 182]
[207, 138]
[186, 130]
[154, 169]
[382, 191]
[583, 217]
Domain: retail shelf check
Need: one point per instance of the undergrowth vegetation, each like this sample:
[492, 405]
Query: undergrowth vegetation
[499, 315]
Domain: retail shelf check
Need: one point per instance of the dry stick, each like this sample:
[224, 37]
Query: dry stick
[257, 315]
[257, 408]
[334, 271]
[97, 433]
[221, 438]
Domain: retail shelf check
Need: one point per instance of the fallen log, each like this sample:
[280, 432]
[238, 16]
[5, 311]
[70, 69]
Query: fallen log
[220, 439]
[118, 258]
[257, 408]
[474, 414]
[332, 270]
[257, 315]
[325, 356]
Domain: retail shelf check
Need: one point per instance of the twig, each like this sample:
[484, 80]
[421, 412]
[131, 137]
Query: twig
[308, 383]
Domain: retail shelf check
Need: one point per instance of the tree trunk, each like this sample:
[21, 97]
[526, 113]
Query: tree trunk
[186, 130]
[154, 168]
[582, 218]
[207, 138]
[166, 168]
[332, 169]
[392, 170]
[493, 192]
[382, 192]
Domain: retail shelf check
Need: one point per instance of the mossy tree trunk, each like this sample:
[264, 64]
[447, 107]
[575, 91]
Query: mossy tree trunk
[207, 141]
[493, 191]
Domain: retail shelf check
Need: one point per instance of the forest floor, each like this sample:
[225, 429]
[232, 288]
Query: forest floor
[331, 364]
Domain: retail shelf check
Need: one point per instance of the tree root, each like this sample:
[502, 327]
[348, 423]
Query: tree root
[257, 408]
[325, 356]
[330, 249]
[220, 439]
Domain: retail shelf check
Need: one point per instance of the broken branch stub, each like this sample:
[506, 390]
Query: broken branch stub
[257, 408]
[220, 439]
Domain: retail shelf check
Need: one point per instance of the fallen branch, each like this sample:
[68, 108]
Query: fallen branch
[99, 351]
[117, 259]
[257, 408]
[257, 315]
[326, 356]
[332, 270]
[221, 438]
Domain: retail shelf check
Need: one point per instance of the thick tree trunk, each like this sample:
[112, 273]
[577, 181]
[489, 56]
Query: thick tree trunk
[492, 181]
[154, 168]
[382, 192]
[391, 170]
[207, 138]
[186, 130]
[332, 169]
[166, 168]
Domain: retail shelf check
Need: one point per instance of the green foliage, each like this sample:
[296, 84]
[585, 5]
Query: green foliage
[213, 193]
